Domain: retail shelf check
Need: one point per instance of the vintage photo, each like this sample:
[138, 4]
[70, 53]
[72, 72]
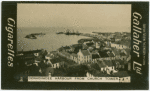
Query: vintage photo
[75, 45]
[73, 40]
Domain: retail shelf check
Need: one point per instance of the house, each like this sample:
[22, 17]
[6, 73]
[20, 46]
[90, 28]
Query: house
[75, 48]
[74, 57]
[28, 53]
[84, 56]
[95, 56]
[111, 55]
[117, 33]
[104, 55]
[56, 63]
[48, 71]
[95, 73]
[25, 59]
[120, 64]
[123, 56]
[106, 66]
[66, 49]
[102, 65]
[86, 45]
[109, 66]
[107, 55]
[118, 38]
[29, 61]
[65, 54]
[48, 56]
[108, 43]
[121, 44]
[112, 39]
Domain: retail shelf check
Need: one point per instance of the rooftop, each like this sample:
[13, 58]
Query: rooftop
[48, 70]
[116, 51]
[103, 54]
[94, 56]
[122, 54]
[108, 62]
[73, 54]
[89, 44]
[28, 52]
[56, 60]
[98, 74]
[121, 62]
[101, 64]
[85, 52]
[110, 54]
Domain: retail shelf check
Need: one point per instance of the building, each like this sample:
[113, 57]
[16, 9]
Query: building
[48, 71]
[107, 55]
[95, 57]
[75, 48]
[123, 56]
[109, 66]
[74, 57]
[66, 49]
[84, 56]
[27, 58]
[56, 63]
[116, 53]
[120, 64]
[86, 45]
[105, 66]
[102, 65]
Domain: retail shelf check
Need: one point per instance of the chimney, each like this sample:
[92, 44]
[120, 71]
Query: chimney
[79, 50]
[97, 45]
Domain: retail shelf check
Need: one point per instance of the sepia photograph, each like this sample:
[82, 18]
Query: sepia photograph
[81, 45]
[74, 40]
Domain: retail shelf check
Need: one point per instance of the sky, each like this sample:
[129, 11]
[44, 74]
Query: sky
[74, 15]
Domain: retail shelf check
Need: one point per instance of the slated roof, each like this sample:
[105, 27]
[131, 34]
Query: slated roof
[85, 52]
[76, 45]
[116, 51]
[65, 53]
[96, 73]
[56, 60]
[111, 54]
[108, 62]
[103, 54]
[95, 66]
[48, 55]
[101, 64]
[121, 62]
[94, 51]
[128, 51]
[89, 44]
[85, 46]
[118, 37]
[94, 56]
[122, 54]
[73, 54]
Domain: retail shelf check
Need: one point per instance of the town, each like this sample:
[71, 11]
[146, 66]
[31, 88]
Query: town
[102, 55]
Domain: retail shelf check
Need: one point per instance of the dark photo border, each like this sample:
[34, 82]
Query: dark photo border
[139, 79]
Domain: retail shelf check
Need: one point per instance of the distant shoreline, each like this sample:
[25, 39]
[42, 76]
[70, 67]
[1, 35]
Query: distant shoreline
[34, 35]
